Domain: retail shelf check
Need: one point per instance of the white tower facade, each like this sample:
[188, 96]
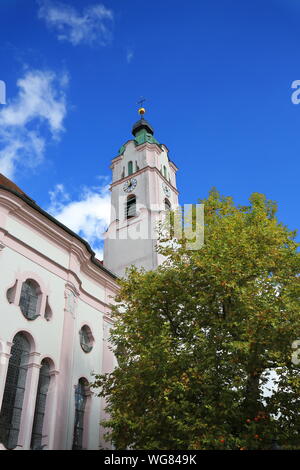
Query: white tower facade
[143, 188]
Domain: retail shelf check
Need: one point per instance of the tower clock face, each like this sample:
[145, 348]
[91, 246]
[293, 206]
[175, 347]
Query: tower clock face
[129, 185]
[166, 190]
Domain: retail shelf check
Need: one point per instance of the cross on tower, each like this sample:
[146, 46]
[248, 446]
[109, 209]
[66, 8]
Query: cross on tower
[141, 102]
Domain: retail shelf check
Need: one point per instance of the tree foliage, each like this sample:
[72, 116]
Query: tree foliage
[204, 343]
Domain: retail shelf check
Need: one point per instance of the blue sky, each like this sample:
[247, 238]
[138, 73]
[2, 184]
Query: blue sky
[217, 77]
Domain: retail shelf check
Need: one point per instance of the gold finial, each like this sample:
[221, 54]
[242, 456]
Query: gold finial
[141, 109]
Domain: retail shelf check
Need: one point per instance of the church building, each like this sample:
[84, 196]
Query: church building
[55, 299]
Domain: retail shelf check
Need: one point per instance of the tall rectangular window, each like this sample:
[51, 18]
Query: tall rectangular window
[40, 406]
[80, 402]
[12, 404]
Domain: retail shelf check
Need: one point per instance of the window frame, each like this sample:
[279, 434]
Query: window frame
[130, 167]
[168, 206]
[16, 377]
[81, 397]
[26, 297]
[86, 346]
[130, 202]
[40, 405]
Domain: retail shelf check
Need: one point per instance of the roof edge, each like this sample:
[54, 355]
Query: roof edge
[32, 204]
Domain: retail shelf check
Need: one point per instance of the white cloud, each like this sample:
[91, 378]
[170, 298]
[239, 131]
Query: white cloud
[38, 110]
[91, 26]
[129, 55]
[88, 215]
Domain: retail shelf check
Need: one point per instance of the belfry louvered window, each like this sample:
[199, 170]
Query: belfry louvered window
[80, 402]
[131, 206]
[40, 406]
[167, 205]
[11, 410]
[29, 299]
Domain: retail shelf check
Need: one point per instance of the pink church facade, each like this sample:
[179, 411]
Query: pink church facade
[55, 302]
[55, 299]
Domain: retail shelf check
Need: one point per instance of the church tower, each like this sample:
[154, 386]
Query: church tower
[143, 188]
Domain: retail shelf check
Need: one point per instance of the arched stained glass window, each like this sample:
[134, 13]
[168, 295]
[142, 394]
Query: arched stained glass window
[130, 168]
[11, 410]
[40, 405]
[29, 299]
[80, 402]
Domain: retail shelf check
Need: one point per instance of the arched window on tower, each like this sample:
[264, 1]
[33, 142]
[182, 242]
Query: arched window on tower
[130, 168]
[165, 171]
[12, 404]
[130, 206]
[81, 394]
[29, 300]
[40, 405]
[167, 205]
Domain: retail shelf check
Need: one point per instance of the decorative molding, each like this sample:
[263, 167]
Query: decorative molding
[4, 358]
[34, 360]
[108, 319]
[120, 157]
[106, 330]
[71, 287]
[149, 146]
[115, 160]
[13, 293]
[71, 298]
[34, 365]
[142, 170]
[64, 273]
[56, 234]
[172, 165]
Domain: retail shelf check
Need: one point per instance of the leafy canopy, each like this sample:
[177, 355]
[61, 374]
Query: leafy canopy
[202, 339]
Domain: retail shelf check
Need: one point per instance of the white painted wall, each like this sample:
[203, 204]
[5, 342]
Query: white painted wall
[45, 253]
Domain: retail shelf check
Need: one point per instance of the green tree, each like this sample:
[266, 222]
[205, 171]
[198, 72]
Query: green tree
[199, 339]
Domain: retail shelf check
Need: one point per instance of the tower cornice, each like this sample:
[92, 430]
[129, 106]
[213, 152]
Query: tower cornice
[150, 146]
[140, 147]
[172, 164]
[143, 170]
